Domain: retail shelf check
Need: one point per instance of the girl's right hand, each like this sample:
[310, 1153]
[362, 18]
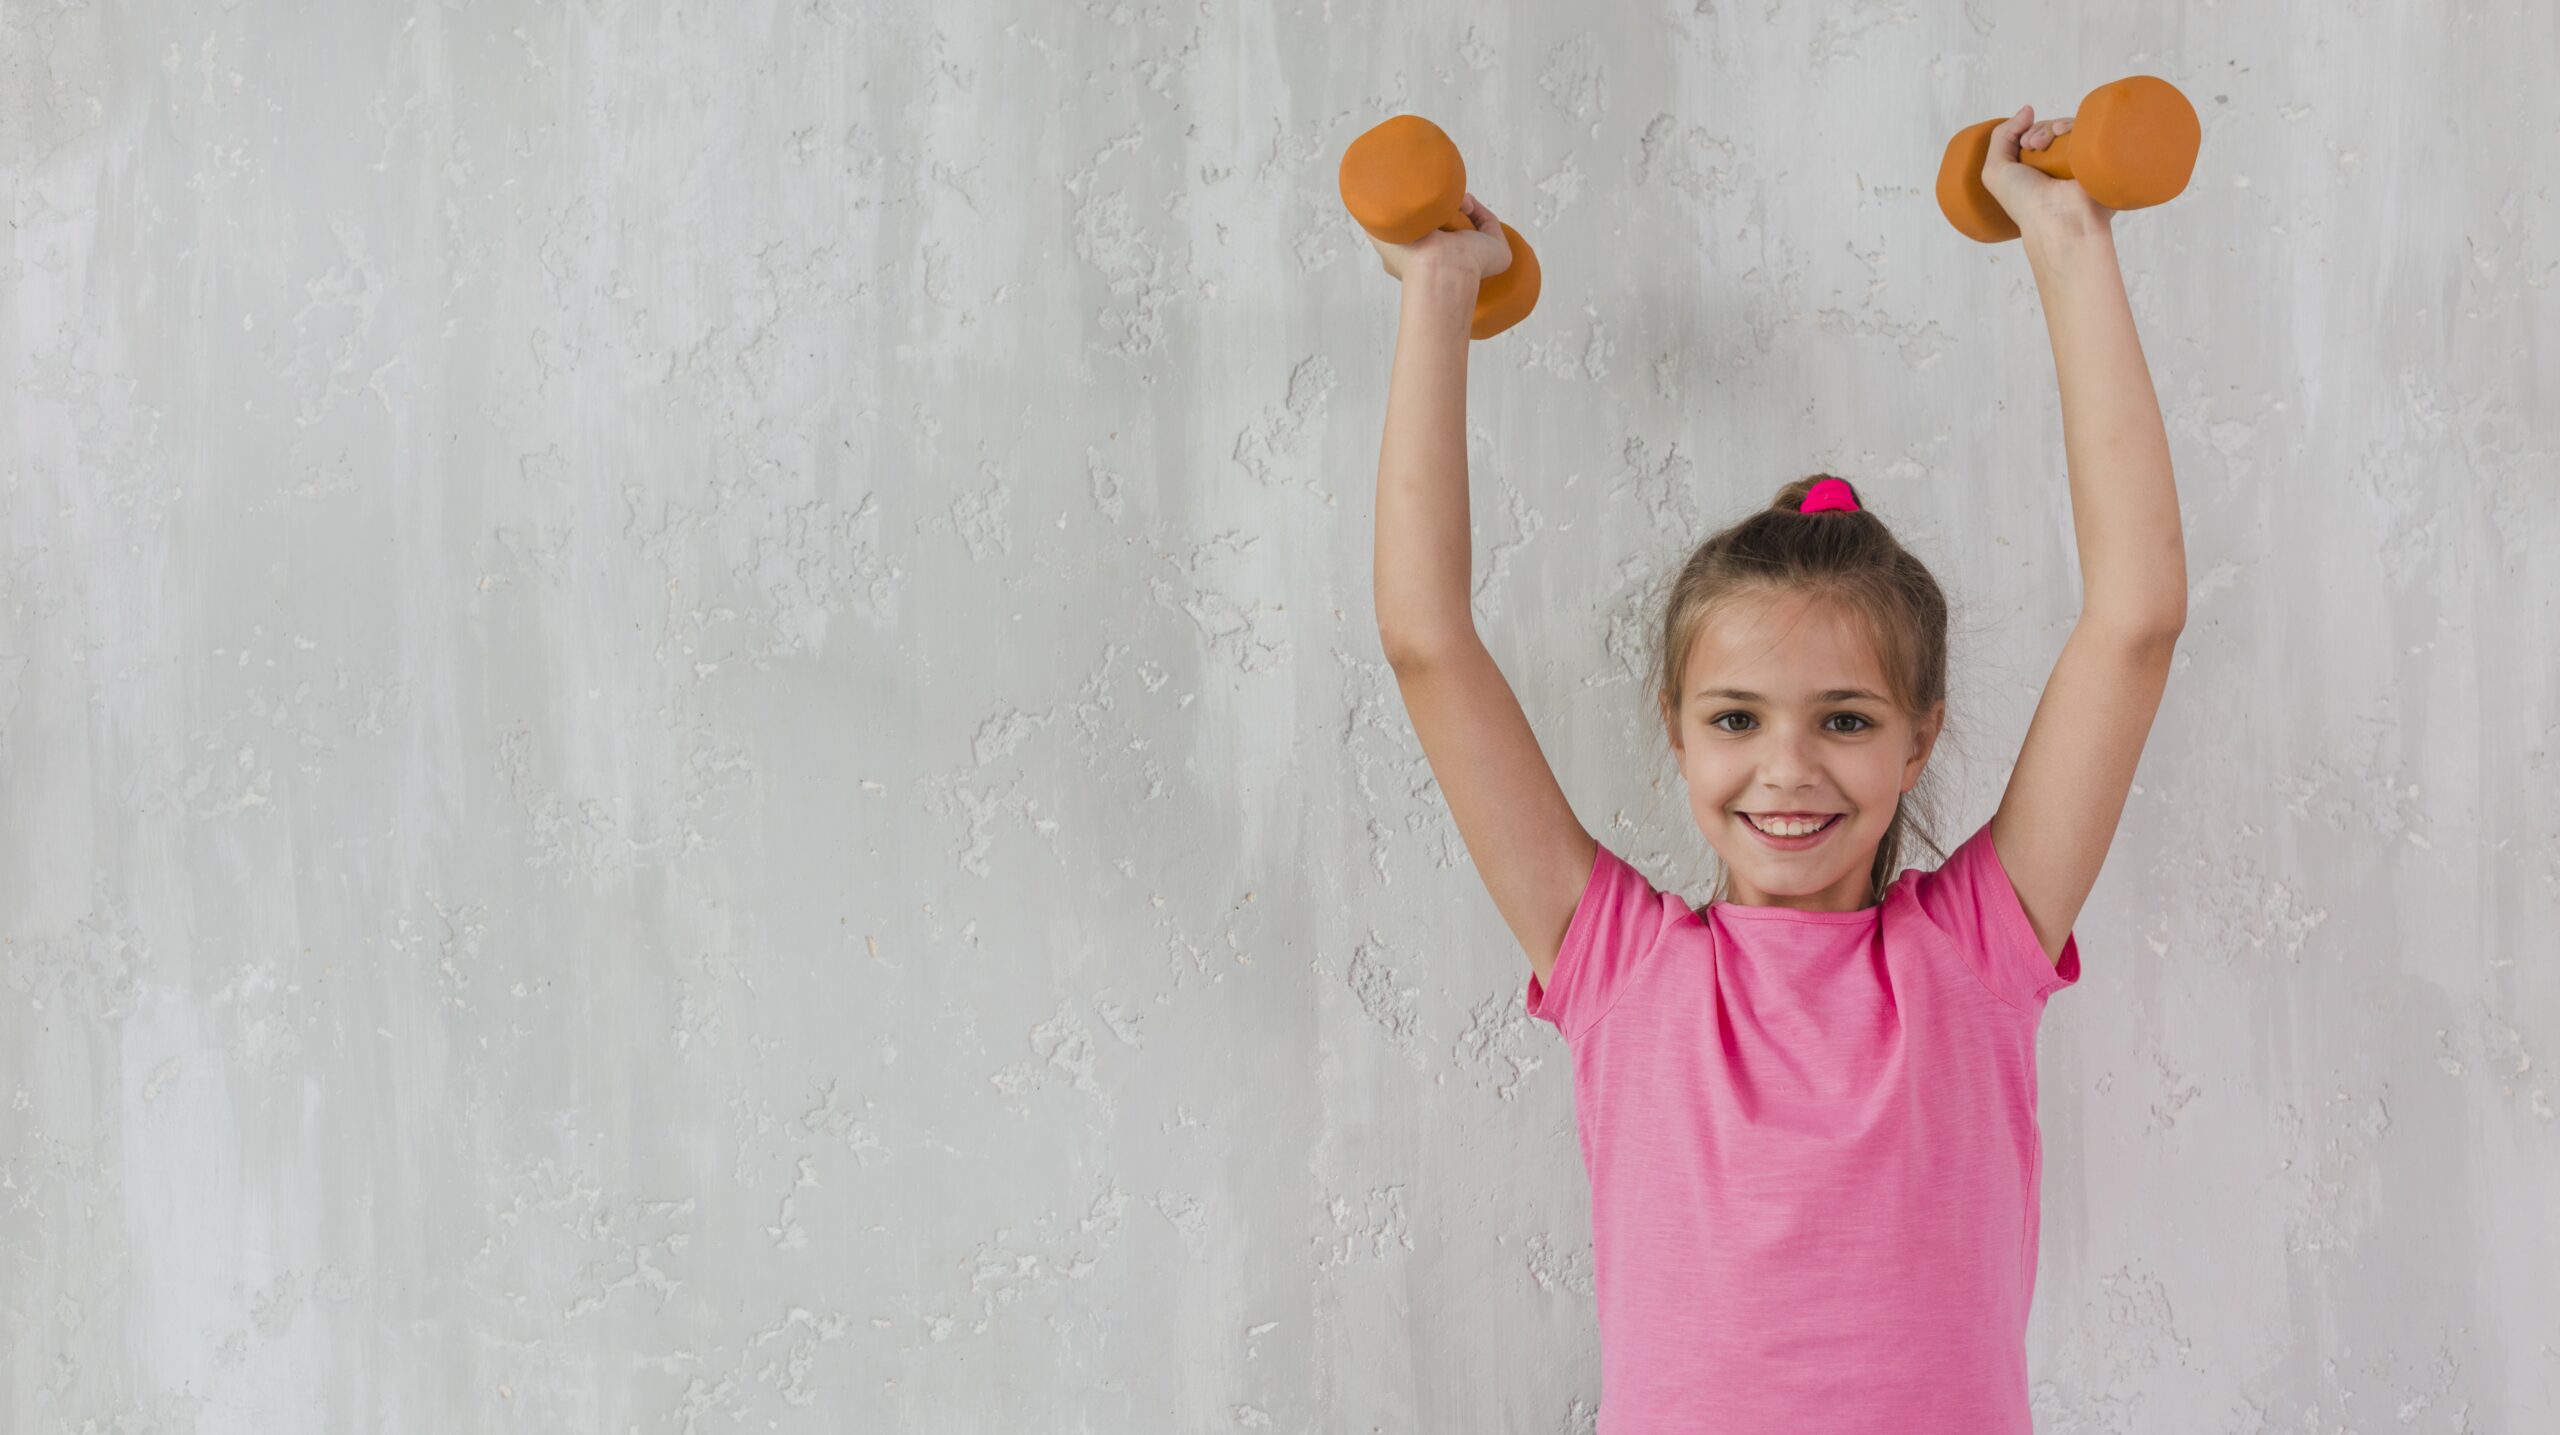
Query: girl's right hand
[1479, 253]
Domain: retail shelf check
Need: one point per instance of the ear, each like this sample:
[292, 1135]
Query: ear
[1923, 741]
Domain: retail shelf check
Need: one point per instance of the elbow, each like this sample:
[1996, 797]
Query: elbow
[2139, 628]
[2159, 612]
[1410, 647]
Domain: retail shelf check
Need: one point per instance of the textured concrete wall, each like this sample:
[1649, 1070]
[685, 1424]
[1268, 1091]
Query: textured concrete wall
[694, 740]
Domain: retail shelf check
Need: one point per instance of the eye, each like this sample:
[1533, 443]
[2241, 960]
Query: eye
[1717, 722]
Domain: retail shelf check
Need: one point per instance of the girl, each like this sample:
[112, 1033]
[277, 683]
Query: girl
[1808, 1108]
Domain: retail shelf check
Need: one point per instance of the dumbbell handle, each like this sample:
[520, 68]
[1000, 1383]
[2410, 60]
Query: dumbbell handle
[2054, 159]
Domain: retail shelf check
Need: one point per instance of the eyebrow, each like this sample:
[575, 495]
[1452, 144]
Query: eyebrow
[1831, 695]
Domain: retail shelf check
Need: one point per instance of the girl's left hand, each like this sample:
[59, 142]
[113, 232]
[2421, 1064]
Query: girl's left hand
[2038, 203]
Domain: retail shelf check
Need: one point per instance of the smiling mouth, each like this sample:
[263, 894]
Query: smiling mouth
[1828, 823]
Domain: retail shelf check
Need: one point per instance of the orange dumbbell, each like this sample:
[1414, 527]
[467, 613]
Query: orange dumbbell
[1402, 180]
[2131, 145]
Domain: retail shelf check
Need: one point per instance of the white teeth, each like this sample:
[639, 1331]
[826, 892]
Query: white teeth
[1787, 827]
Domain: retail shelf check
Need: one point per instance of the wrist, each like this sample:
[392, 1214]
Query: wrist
[1443, 279]
[2063, 244]
[1437, 294]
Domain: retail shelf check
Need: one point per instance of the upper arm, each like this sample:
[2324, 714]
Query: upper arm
[2068, 789]
[1532, 853]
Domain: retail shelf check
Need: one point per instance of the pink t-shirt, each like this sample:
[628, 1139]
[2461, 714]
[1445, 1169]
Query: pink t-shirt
[1812, 1146]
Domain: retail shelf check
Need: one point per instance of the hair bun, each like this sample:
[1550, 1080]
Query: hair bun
[1828, 495]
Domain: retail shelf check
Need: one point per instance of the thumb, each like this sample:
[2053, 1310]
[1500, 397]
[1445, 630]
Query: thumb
[2004, 140]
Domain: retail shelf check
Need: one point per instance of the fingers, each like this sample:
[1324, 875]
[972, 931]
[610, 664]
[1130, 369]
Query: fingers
[2021, 132]
[2043, 133]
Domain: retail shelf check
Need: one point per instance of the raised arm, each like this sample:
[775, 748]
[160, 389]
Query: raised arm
[1528, 847]
[2124, 500]
[2067, 792]
[1425, 553]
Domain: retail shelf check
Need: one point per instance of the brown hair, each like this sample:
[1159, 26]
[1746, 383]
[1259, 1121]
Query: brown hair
[1848, 558]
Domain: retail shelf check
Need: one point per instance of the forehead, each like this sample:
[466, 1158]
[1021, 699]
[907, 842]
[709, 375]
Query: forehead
[1788, 648]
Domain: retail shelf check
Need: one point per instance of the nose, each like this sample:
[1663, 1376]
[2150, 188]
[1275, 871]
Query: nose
[1784, 768]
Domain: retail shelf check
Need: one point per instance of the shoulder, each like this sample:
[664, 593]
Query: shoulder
[1623, 906]
[1968, 903]
[1620, 920]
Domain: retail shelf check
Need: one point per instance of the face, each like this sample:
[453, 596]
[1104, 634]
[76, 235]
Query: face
[1764, 728]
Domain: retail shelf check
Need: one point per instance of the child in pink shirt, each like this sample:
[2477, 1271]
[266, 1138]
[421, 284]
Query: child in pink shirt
[1807, 1109]
[1811, 1139]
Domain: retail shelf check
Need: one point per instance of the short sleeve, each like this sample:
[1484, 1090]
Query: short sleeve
[1971, 899]
[1619, 920]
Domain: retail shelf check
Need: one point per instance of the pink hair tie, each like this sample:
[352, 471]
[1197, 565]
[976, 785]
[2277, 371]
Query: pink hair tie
[1828, 495]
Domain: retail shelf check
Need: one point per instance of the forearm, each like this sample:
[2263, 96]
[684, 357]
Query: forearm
[2124, 499]
[1424, 544]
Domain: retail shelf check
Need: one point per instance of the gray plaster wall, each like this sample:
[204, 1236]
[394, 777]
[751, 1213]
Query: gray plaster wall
[694, 738]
